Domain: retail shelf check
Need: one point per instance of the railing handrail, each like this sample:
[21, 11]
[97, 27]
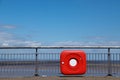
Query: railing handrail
[64, 47]
[108, 57]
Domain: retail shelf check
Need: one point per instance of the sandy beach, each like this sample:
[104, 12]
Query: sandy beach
[63, 78]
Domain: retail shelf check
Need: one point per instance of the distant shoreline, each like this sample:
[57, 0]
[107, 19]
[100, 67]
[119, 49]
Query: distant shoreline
[31, 62]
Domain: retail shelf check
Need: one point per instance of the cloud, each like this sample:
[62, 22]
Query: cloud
[95, 37]
[5, 36]
[7, 39]
[87, 43]
[8, 26]
[21, 43]
[68, 43]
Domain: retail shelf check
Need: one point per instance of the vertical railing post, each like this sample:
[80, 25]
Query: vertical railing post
[36, 62]
[109, 63]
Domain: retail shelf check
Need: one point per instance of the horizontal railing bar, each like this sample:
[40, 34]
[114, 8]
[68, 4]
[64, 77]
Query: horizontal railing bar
[64, 47]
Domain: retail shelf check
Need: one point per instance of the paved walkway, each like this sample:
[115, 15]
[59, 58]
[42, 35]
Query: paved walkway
[62, 78]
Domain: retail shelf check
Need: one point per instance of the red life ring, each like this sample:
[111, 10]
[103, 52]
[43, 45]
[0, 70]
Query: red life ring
[73, 62]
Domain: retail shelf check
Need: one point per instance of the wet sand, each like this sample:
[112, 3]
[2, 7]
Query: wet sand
[63, 78]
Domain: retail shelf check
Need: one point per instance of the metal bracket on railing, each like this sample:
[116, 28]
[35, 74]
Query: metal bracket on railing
[109, 63]
[36, 63]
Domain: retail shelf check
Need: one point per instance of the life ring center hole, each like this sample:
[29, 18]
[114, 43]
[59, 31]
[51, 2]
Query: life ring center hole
[73, 62]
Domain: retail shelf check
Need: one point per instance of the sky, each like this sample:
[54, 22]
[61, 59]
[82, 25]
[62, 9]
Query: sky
[59, 22]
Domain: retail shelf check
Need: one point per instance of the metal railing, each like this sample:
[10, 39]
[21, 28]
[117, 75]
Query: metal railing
[44, 60]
